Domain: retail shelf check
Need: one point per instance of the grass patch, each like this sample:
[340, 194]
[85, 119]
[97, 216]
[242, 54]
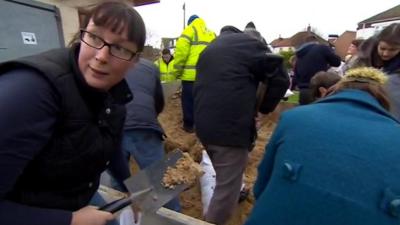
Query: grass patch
[294, 99]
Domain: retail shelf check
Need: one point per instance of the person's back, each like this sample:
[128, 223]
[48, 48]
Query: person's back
[143, 135]
[189, 46]
[193, 40]
[343, 168]
[229, 72]
[148, 100]
[344, 173]
[227, 76]
[313, 58]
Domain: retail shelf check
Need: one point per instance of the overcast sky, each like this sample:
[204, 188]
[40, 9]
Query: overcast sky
[272, 18]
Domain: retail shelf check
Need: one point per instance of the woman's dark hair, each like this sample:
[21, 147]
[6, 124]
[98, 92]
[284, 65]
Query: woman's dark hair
[357, 42]
[322, 79]
[117, 16]
[391, 34]
[368, 50]
[368, 53]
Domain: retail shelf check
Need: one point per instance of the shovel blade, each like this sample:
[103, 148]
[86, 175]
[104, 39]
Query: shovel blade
[151, 177]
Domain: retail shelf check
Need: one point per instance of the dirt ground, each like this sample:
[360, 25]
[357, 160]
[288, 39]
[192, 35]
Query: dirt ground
[170, 119]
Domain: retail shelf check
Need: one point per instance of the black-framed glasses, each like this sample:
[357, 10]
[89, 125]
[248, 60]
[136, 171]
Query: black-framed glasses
[115, 50]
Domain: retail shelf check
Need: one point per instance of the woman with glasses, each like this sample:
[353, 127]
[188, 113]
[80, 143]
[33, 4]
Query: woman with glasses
[62, 117]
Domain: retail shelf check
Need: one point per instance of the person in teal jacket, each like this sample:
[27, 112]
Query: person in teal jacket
[334, 161]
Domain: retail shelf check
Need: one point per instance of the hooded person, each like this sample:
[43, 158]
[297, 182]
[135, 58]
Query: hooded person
[250, 29]
[230, 29]
[356, 174]
[191, 18]
[225, 106]
[312, 57]
[250, 25]
[193, 40]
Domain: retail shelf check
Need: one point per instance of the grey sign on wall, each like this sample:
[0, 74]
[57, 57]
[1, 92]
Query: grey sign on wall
[28, 27]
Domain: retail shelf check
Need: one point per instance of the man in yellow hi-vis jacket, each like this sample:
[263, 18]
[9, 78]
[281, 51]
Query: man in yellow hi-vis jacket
[193, 40]
[166, 66]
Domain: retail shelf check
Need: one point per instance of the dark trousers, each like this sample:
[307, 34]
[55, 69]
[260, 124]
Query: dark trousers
[187, 104]
[229, 164]
[305, 96]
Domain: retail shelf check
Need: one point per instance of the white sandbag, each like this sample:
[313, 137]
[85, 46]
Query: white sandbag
[126, 217]
[288, 93]
[207, 181]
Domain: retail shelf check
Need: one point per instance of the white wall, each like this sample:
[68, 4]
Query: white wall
[374, 29]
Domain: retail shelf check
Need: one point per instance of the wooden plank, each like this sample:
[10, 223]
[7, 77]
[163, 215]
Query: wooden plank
[111, 194]
[180, 218]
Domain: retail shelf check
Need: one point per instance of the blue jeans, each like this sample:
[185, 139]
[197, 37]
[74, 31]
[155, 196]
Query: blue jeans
[146, 147]
[187, 104]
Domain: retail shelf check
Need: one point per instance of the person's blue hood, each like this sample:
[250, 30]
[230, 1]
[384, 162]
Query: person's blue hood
[304, 48]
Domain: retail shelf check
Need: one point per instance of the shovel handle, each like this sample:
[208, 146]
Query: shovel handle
[121, 203]
[116, 205]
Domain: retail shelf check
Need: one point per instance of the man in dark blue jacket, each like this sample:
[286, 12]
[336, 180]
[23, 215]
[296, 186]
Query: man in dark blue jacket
[229, 72]
[312, 57]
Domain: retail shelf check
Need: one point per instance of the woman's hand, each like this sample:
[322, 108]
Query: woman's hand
[90, 215]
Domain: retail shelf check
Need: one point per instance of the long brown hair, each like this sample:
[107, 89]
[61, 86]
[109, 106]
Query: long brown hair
[368, 50]
[391, 34]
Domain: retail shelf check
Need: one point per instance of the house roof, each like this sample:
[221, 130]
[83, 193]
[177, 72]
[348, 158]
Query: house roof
[388, 15]
[343, 42]
[295, 40]
[281, 42]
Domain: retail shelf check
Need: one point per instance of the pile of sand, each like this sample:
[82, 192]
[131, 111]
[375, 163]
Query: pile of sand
[186, 171]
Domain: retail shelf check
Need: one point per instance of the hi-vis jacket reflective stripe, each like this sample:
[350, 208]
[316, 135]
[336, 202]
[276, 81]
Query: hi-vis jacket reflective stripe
[166, 70]
[193, 40]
